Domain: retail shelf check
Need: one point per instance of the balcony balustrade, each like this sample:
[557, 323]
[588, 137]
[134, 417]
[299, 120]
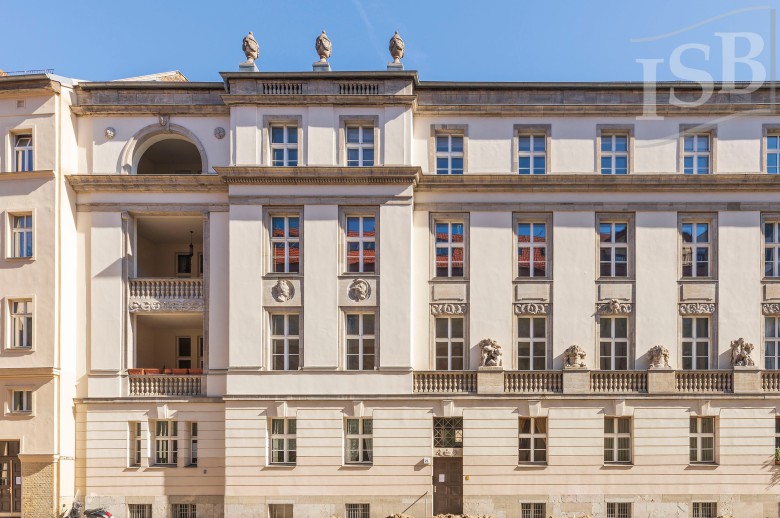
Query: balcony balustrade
[445, 382]
[150, 385]
[166, 294]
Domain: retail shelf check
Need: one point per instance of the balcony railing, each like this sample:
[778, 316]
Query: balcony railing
[770, 381]
[445, 382]
[166, 294]
[620, 382]
[165, 385]
[533, 382]
[704, 381]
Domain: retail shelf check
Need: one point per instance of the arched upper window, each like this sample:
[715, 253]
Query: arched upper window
[172, 150]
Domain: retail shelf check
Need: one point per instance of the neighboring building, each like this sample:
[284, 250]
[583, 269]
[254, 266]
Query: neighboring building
[267, 297]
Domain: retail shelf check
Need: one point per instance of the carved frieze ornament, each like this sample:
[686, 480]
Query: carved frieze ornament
[397, 48]
[251, 48]
[282, 291]
[740, 353]
[324, 47]
[359, 290]
[614, 307]
[109, 133]
[448, 309]
[151, 306]
[659, 357]
[574, 357]
[532, 308]
[770, 309]
[492, 355]
[219, 132]
[697, 309]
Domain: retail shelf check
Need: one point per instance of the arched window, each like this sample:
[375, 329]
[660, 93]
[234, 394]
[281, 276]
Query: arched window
[164, 151]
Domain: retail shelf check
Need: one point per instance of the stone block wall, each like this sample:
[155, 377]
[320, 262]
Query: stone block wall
[39, 489]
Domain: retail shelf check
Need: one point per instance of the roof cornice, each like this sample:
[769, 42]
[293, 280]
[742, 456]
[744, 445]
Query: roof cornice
[145, 183]
[316, 175]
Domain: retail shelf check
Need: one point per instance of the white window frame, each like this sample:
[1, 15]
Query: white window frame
[541, 131]
[533, 340]
[365, 441]
[532, 436]
[618, 509]
[610, 133]
[287, 240]
[169, 440]
[614, 341]
[361, 337]
[136, 444]
[289, 441]
[694, 339]
[26, 319]
[696, 132]
[533, 223]
[24, 155]
[193, 460]
[449, 340]
[697, 437]
[184, 510]
[357, 510]
[285, 338]
[139, 510]
[699, 511]
[449, 154]
[450, 246]
[533, 510]
[694, 245]
[772, 266]
[25, 396]
[777, 433]
[361, 145]
[361, 239]
[280, 510]
[612, 246]
[285, 146]
[772, 342]
[612, 439]
[21, 236]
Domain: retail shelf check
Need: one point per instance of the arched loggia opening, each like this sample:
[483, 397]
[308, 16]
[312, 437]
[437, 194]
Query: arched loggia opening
[164, 151]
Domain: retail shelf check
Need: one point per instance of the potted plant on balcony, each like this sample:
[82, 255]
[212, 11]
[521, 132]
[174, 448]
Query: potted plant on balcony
[777, 456]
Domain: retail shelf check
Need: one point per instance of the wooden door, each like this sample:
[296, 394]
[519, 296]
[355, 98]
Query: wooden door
[448, 485]
[10, 478]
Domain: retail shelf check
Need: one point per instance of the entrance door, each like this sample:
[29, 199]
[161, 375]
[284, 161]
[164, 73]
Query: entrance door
[448, 485]
[10, 478]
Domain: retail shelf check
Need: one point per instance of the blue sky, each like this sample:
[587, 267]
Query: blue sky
[453, 40]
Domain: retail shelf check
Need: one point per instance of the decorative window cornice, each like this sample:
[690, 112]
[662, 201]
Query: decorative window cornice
[448, 309]
[768, 308]
[532, 309]
[697, 309]
[614, 307]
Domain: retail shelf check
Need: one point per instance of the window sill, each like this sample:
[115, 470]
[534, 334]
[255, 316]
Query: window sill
[531, 466]
[20, 415]
[525, 280]
[695, 280]
[449, 279]
[357, 466]
[280, 466]
[19, 350]
[617, 465]
[702, 465]
[615, 280]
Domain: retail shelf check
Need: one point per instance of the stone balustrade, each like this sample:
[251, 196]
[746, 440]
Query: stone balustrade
[533, 382]
[698, 382]
[770, 381]
[445, 382]
[620, 382]
[145, 385]
[166, 294]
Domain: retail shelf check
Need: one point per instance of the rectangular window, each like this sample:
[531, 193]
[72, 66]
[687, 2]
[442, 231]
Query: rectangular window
[21, 323]
[449, 341]
[280, 510]
[361, 341]
[613, 248]
[771, 343]
[139, 510]
[705, 510]
[184, 511]
[285, 341]
[618, 510]
[695, 249]
[360, 146]
[166, 445]
[696, 343]
[360, 442]
[773, 154]
[696, 153]
[135, 444]
[532, 153]
[532, 343]
[702, 440]
[183, 352]
[533, 440]
[448, 432]
[532, 511]
[361, 244]
[358, 511]
[21, 236]
[21, 401]
[614, 153]
[284, 146]
[183, 265]
[449, 154]
[23, 152]
[613, 343]
[283, 441]
[193, 444]
[617, 440]
[286, 244]
[531, 249]
[771, 249]
[777, 432]
[450, 248]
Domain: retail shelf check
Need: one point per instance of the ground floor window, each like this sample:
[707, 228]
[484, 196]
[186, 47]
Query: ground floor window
[184, 511]
[358, 511]
[618, 510]
[532, 511]
[280, 511]
[704, 509]
[139, 510]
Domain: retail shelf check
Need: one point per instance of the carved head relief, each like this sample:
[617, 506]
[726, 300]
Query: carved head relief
[110, 133]
[283, 291]
[359, 290]
[219, 133]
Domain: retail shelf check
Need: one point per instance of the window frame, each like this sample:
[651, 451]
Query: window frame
[357, 510]
[768, 130]
[360, 313]
[283, 212]
[612, 219]
[698, 435]
[179, 510]
[358, 120]
[365, 455]
[280, 510]
[712, 514]
[519, 130]
[687, 130]
[449, 217]
[181, 358]
[533, 510]
[28, 398]
[694, 339]
[618, 510]
[712, 244]
[449, 340]
[15, 135]
[358, 212]
[192, 459]
[286, 313]
[532, 435]
[12, 232]
[267, 146]
[10, 318]
[775, 343]
[774, 220]
[613, 341]
[545, 219]
[179, 273]
[533, 339]
[286, 436]
[452, 423]
[136, 436]
[452, 130]
[610, 130]
[615, 435]
[139, 510]
[171, 439]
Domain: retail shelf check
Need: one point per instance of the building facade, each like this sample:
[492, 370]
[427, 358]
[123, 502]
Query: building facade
[282, 295]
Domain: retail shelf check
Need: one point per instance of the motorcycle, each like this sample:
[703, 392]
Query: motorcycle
[76, 508]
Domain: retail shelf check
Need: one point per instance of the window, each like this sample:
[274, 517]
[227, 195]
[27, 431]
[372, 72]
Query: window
[613, 249]
[450, 251]
[449, 343]
[21, 324]
[283, 442]
[705, 510]
[360, 442]
[193, 444]
[184, 511]
[23, 152]
[771, 249]
[284, 146]
[135, 444]
[777, 432]
[695, 249]
[772, 342]
[696, 153]
[532, 153]
[200, 352]
[358, 511]
[531, 343]
[21, 401]
[618, 510]
[361, 244]
[166, 445]
[617, 440]
[183, 352]
[285, 341]
[773, 153]
[533, 440]
[361, 341]
[449, 154]
[360, 146]
[696, 343]
[280, 510]
[183, 264]
[532, 511]
[139, 510]
[614, 153]
[531, 249]
[286, 244]
[702, 440]
[613, 343]
[448, 432]
[21, 236]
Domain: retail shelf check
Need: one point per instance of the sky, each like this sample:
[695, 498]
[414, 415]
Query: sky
[453, 40]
